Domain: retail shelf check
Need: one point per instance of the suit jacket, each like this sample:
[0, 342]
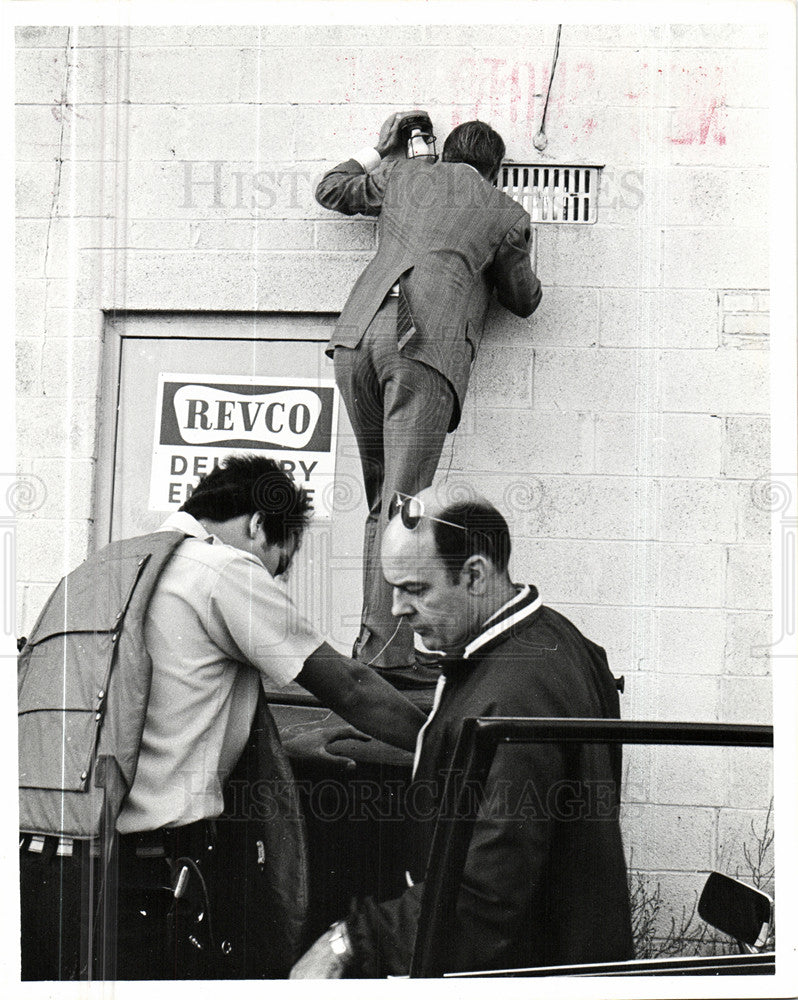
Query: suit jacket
[545, 877]
[451, 238]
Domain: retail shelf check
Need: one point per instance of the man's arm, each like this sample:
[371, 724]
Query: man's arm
[357, 186]
[350, 189]
[361, 696]
[517, 286]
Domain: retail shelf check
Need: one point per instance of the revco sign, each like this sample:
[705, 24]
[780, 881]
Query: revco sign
[201, 419]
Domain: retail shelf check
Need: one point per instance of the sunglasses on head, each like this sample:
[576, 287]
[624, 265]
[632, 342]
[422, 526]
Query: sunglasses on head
[411, 510]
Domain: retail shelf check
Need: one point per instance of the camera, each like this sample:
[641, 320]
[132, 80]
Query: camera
[417, 136]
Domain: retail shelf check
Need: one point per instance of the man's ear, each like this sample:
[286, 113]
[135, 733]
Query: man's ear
[475, 571]
[254, 524]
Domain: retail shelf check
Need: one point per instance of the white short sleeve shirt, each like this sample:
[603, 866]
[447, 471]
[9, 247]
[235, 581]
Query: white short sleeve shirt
[217, 625]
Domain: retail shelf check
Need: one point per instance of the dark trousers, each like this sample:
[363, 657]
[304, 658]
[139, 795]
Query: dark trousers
[400, 411]
[200, 933]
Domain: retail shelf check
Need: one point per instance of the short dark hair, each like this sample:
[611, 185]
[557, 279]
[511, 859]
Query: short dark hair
[486, 534]
[475, 143]
[251, 484]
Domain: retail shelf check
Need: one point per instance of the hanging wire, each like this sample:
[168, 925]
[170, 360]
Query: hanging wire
[541, 141]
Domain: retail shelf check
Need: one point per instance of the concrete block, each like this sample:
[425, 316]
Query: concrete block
[625, 633]
[225, 192]
[66, 238]
[31, 36]
[658, 318]
[683, 698]
[98, 75]
[29, 363]
[678, 838]
[716, 197]
[74, 323]
[48, 429]
[724, 381]
[345, 235]
[566, 317]
[747, 699]
[739, 301]
[34, 189]
[542, 442]
[749, 784]
[405, 76]
[50, 549]
[595, 256]
[522, 36]
[743, 830]
[698, 511]
[763, 301]
[73, 132]
[748, 641]
[168, 234]
[611, 77]
[738, 78]
[577, 572]
[30, 301]
[589, 380]
[697, 258]
[611, 36]
[687, 641]
[71, 368]
[342, 35]
[746, 447]
[732, 36]
[753, 516]
[68, 488]
[717, 135]
[579, 134]
[502, 377]
[676, 575]
[291, 281]
[748, 577]
[188, 75]
[86, 188]
[299, 75]
[31, 246]
[636, 781]
[40, 76]
[251, 234]
[690, 776]
[591, 507]
[196, 35]
[747, 323]
[659, 444]
[229, 133]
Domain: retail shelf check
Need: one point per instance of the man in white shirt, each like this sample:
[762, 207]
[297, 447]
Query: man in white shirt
[217, 627]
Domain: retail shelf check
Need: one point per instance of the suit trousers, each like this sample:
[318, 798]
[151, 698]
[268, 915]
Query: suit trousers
[400, 411]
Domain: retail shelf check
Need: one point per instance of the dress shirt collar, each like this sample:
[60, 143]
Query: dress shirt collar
[181, 520]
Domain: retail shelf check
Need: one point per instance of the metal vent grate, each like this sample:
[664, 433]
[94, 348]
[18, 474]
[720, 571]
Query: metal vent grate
[554, 192]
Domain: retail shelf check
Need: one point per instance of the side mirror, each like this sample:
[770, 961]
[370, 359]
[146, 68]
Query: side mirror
[736, 909]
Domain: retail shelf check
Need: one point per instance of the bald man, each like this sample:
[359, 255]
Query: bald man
[545, 877]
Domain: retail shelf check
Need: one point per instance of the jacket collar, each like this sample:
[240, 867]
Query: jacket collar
[501, 623]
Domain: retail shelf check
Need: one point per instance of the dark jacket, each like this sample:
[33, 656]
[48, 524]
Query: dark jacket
[545, 878]
[453, 238]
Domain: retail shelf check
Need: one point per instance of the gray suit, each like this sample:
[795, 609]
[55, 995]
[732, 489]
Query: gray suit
[450, 238]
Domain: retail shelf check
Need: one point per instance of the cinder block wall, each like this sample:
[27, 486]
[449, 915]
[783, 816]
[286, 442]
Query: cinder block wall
[623, 428]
